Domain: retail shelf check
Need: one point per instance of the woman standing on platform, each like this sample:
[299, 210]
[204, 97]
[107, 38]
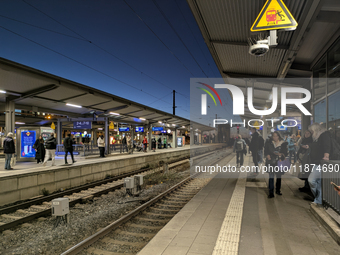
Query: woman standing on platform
[145, 143]
[39, 150]
[275, 150]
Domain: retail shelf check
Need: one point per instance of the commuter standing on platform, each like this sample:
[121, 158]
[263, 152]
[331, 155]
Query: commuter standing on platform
[68, 148]
[320, 150]
[291, 148]
[51, 145]
[254, 148]
[275, 150]
[159, 143]
[124, 144]
[302, 145]
[39, 150]
[239, 146]
[129, 144]
[9, 150]
[101, 146]
[153, 144]
[165, 145]
[145, 143]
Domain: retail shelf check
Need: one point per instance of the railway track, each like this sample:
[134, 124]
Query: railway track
[130, 233]
[16, 215]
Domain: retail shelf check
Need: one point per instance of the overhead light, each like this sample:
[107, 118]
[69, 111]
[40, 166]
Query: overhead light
[2, 91]
[183, 126]
[20, 123]
[160, 122]
[74, 105]
[114, 113]
[100, 128]
[174, 125]
[141, 118]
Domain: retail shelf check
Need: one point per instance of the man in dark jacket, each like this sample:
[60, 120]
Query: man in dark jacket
[51, 145]
[254, 147]
[68, 148]
[9, 150]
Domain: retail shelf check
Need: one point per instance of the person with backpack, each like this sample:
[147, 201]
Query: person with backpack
[291, 148]
[239, 147]
[68, 148]
[51, 145]
[321, 151]
[9, 150]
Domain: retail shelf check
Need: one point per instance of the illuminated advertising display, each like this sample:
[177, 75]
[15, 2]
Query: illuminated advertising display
[124, 129]
[179, 141]
[82, 124]
[28, 138]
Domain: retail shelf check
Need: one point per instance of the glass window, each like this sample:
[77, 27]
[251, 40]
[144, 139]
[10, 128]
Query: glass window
[319, 79]
[334, 115]
[334, 67]
[320, 112]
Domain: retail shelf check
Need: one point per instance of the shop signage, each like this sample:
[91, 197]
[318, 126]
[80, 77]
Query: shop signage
[157, 128]
[124, 129]
[139, 129]
[82, 125]
[274, 15]
[28, 138]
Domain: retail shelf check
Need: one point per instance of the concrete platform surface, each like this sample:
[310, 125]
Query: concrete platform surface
[234, 216]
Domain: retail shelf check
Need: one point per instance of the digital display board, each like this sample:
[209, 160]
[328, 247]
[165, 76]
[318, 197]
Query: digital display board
[179, 141]
[281, 128]
[82, 124]
[139, 129]
[157, 128]
[124, 129]
[28, 138]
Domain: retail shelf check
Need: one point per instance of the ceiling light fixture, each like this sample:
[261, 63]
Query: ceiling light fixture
[74, 105]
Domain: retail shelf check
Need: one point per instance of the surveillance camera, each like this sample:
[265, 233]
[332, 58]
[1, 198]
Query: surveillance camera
[258, 49]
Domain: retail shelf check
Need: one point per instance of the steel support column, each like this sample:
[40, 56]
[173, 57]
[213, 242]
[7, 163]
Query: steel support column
[9, 116]
[106, 137]
[132, 137]
[149, 136]
[175, 137]
[59, 131]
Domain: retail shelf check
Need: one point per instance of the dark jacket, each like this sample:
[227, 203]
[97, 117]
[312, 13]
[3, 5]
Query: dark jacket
[254, 143]
[39, 146]
[9, 147]
[68, 144]
[305, 141]
[51, 143]
[269, 149]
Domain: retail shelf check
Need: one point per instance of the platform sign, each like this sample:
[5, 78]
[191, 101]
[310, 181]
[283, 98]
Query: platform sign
[139, 129]
[274, 15]
[28, 138]
[281, 128]
[157, 128]
[124, 129]
[82, 125]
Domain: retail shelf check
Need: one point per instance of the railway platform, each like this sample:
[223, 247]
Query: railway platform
[28, 179]
[234, 216]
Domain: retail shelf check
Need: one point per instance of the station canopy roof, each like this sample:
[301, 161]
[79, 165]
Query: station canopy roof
[37, 91]
[225, 26]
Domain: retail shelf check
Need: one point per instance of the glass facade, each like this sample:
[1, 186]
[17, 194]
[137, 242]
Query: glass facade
[326, 90]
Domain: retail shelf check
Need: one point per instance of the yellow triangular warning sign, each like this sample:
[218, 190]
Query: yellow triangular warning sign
[256, 125]
[274, 15]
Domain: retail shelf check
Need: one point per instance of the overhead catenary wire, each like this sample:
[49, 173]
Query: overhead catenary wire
[74, 60]
[96, 45]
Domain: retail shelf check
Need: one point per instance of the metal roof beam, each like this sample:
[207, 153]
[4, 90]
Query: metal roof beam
[245, 44]
[328, 16]
[34, 92]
